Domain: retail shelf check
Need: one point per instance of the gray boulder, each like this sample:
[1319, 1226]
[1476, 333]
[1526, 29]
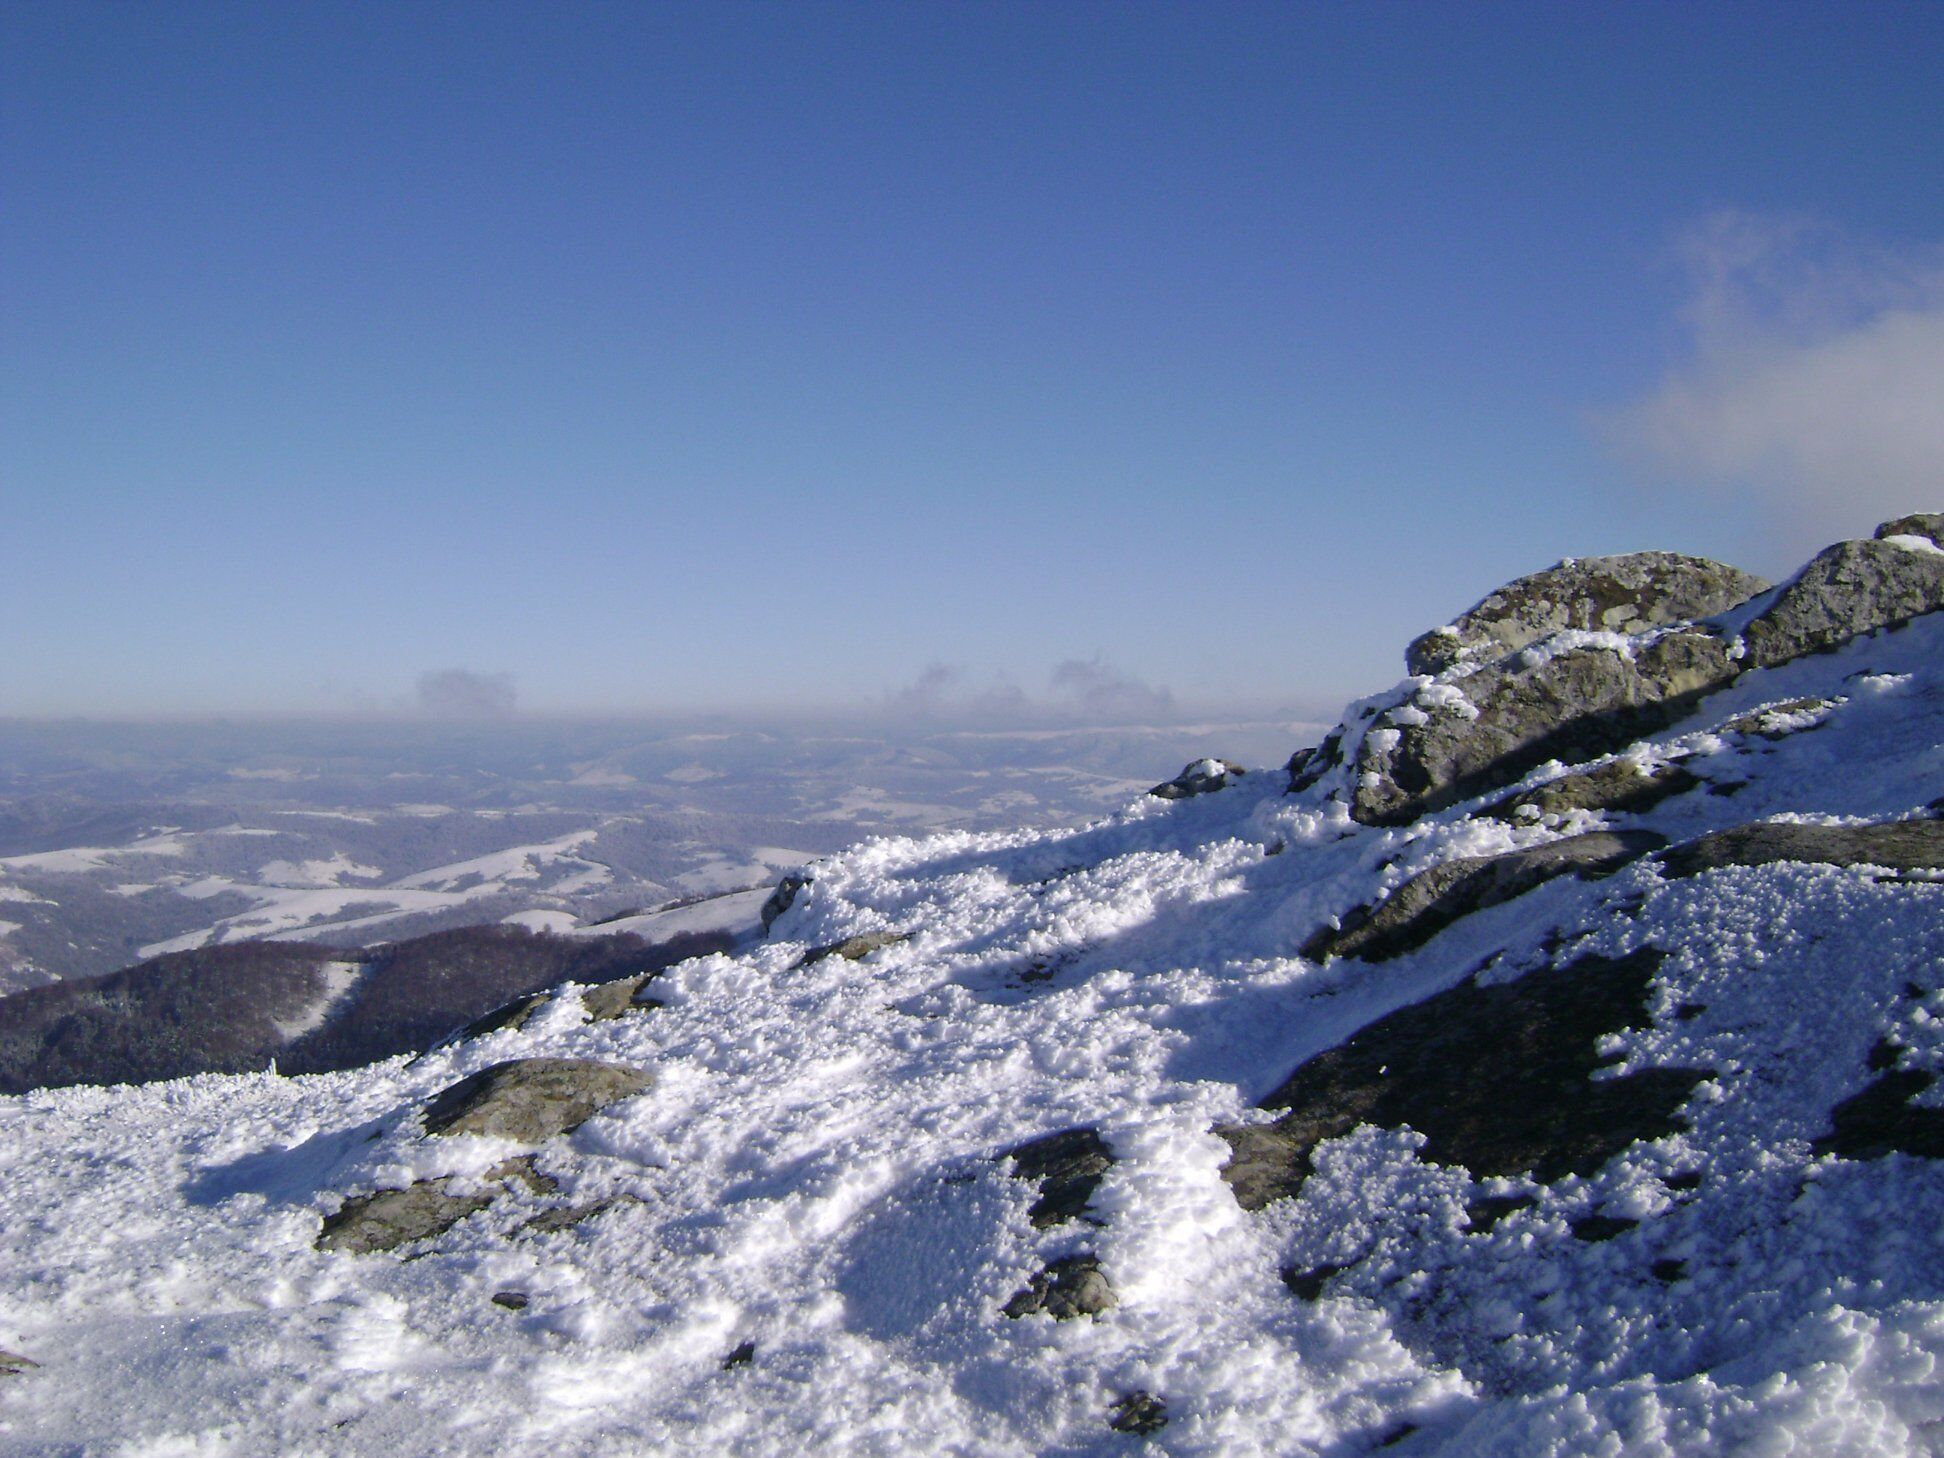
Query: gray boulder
[1200, 778]
[531, 1099]
[1848, 589]
[1619, 785]
[1625, 594]
[1896, 845]
[386, 1219]
[1066, 1289]
[1432, 900]
[1067, 1167]
[1572, 705]
[619, 998]
[784, 896]
[853, 949]
[1926, 524]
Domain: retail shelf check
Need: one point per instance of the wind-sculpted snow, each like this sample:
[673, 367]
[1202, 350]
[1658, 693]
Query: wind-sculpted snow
[805, 1235]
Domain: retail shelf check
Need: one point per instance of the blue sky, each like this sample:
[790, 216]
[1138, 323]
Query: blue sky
[733, 356]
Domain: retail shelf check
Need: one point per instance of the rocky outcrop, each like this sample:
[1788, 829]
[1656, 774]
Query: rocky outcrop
[1622, 786]
[1897, 845]
[1067, 1167]
[387, 1219]
[1626, 594]
[618, 999]
[1202, 777]
[1573, 704]
[1432, 900]
[531, 1100]
[1928, 525]
[1497, 1079]
[1065, 1289]
[1138, 1412]
[1849, 589]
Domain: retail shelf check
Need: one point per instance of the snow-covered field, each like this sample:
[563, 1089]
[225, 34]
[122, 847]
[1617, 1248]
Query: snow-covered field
[815, 1238]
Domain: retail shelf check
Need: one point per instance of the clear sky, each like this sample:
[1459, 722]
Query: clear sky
[718, 355]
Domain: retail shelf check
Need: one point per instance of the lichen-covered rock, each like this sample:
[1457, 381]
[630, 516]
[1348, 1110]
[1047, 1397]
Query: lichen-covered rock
[1849, 589]
[386, 1219]
[1926, 524]
[1897, 845]
[531, 1099]
[1625, 594]
[1574, 703]
[1433, 899]
[1067, 1167]
[1620, 785]
[1497, 1079]
[1200, 778]
[619, 998]
[1066, 1289]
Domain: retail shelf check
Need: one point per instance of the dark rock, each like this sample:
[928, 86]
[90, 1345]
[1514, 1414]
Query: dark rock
[1687, 1179]
[1601, 1227]
[1767, 722]
[1575, 705]
[1497, 1079]
[12, 1364]
[1897, 845]
[616, 999]
[1308, 1283]
[1625, 594]
[1846, 590]
[1622, 786]
[1065, 1289]
[1687, 1012]
[531, 1099]
[566, 1217]
[742, 1356]
[512, 1300]
[1433, 899]
[1140, 1413]
[853, 949]
[1307, 766]
[784, 896]
[1926, 524]
[1200, 778]
[1882, 1119]
[1485, 1211]
[1667, 1270]
[513, 1015]
[1067, 1167]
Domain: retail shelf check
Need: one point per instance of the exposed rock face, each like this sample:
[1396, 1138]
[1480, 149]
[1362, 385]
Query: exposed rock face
[531, 1099]
[1573, 705]
[784, 896]
[1200, 778]
[1620, 785]
[1926, 524]
[1067, 1167]
[1847, 589]
[1065, 1289]
[1626, 594]
[1498, 1079]
[617, 999]
[1899, 845]
[1307, 766]
[387, 1219]
[853, 949]
[1432, 900]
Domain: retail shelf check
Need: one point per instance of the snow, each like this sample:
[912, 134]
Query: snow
[813, 1169]
[340, 979]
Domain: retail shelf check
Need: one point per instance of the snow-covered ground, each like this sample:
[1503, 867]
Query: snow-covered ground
[814, 1171]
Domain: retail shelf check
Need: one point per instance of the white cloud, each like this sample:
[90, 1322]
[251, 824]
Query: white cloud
[1813, 380]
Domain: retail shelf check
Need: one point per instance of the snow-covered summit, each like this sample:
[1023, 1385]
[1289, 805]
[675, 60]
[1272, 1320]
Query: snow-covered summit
[1547, 1065]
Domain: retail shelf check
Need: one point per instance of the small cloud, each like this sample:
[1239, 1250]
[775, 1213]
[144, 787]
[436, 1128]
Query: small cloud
[946, 691]
[1098, 690]
[1813, 374]
[460, 693]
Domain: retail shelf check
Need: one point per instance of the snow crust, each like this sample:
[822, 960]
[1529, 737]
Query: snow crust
[814, 1169]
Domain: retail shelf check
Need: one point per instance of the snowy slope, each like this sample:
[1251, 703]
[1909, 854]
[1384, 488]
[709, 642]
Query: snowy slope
[811, 1238]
